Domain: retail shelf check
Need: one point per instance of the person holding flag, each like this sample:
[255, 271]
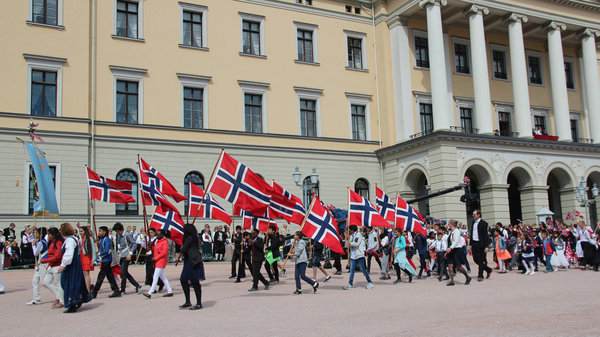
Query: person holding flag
[193, 267]
[301, 262]
[258, 257]
[357, 256]
[400, 261]
[272, 255]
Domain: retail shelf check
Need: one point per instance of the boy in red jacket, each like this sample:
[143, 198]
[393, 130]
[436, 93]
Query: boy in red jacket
[161, 254]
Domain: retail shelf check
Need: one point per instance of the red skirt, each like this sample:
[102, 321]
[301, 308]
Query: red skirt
[86, 262]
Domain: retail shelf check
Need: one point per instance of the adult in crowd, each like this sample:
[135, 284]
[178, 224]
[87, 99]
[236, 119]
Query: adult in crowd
[193, 268]
[479, 245]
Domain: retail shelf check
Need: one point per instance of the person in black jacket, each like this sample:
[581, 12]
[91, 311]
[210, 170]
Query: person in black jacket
[479, 244]
[258, 257]
[193, 268]
[237, 251]
[246, 258]
[273, 247]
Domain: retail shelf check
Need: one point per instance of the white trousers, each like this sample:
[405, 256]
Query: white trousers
[39, 276]
[159, 273]
[52, 274]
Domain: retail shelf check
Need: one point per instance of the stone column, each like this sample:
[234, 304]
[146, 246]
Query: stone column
[437, 64]
[401, 68]
[481, 79]
[519, 73]
[533, 198]
[443, 173]
[558, 82]
[494, 203]
[592, 80]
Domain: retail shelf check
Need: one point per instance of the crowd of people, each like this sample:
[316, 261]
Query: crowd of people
[63, 258]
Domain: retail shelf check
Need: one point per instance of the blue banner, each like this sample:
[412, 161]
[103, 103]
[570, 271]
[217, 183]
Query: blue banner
[46, 203]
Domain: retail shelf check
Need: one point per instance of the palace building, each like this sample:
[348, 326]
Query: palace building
[408, 95]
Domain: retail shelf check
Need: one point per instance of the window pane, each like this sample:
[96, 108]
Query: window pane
[187, 16]
[132, 87]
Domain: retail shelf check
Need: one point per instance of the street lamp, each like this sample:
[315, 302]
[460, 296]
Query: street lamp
[581, 196]
[306, 185]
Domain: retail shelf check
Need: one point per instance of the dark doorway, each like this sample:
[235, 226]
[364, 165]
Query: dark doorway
[554, 201]
[514, 199]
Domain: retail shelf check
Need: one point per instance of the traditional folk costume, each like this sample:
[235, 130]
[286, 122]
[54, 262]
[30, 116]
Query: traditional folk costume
[72, 280]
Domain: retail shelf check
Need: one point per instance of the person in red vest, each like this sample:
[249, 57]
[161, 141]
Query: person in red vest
[161, 254]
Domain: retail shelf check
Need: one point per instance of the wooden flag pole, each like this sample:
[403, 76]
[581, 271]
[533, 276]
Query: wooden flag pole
[301, 226]
[209, 183]
[148, 248]
[348, 229]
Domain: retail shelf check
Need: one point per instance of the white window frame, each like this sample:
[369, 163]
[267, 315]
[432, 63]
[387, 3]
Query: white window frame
[313, 95]
[57, 182]
[363, 49]
[533, 53]
[59, 19]
[541, 112]
[131, 75]
[315, 41]
[509, 108]
[467, 43]
[195, 82]
[422, 98]
[504, 49]
[467, 103]
[255, 88]
[257, 19]
[198, 9]
[420, 34]
[45, 63]
[140, 4]
[571, 60]
[363, 100]
[576, 115]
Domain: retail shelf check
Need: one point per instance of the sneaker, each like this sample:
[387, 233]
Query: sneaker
[397, 281]
[138, 289]
[253, 289]
[232, 277]
[123, 293]
[297, 292]
[315, 287]
[283, 272]
[34, 302]
[274, 283]
[114, 294]
[267, 286]
[532, 273]
[147, 295]
[348, 287]
[327, 278]
[546, 271]
[237, 281]
[370, 285]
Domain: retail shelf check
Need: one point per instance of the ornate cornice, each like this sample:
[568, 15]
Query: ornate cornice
[515, 17]
[581, 4]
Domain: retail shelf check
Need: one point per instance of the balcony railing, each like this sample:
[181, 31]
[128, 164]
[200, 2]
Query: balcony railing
[506, 134]
[464, 130]
[421, 134]
[584, 140]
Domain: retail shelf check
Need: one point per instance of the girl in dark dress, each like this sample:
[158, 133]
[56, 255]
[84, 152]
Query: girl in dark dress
[72, 280]
[193, 268]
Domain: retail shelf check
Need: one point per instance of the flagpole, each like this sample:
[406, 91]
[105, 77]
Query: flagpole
[148, 248]
[348, 229]
[209, 182]
[301, 226]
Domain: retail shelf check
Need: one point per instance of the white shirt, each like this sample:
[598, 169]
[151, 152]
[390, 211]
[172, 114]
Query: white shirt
[455, 238]
[440, 245]
[373, 242]
[70, 244]
[475, 231]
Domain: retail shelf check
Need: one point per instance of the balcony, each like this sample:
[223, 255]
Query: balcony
[464, 130]
[545, 137]
[506, 133]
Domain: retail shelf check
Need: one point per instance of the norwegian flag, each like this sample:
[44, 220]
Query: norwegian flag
[570, 216]
[161, 183]
[321, 227]
[210, 208]
[107, 190]
[169, 221]
[240, 186]
[286, 205]
[407, 218]
[577, 214]
[257, 222]
[384, 205]
[152, 196]
[362, 212]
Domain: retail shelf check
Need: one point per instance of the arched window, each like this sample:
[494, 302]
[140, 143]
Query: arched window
[132, 207]
[307, 194]
[361, 186]
[195, 178]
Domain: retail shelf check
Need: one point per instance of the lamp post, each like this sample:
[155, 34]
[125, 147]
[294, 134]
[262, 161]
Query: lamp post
[306, 185]
[581, 196]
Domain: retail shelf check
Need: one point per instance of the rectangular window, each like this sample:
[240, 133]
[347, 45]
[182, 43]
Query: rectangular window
[535, 69]
[253, 113]
[127, 102]
[43, 93]
[539, 123]
[569, 75]
[359, 131]
[499, 64]
[251, 37]
[426, 112]
[308, 118]
[355, 53]
[574, 130]
[45, 12]
[461, 59]
[504, 124]
[192, 29]
[466, 120]
[32, 189]
[127, 19]
[192, 108]
[305, 45]
[421, 52]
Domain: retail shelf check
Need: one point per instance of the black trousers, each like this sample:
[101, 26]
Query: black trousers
[273, 275]
[235, 258]
[441, 262]
[256, 275]
[539, 255]
[337, 258]
[369, 262]
[105, 271]
[589, 251]
[480, 258]
[242, 270]
[125, 274]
